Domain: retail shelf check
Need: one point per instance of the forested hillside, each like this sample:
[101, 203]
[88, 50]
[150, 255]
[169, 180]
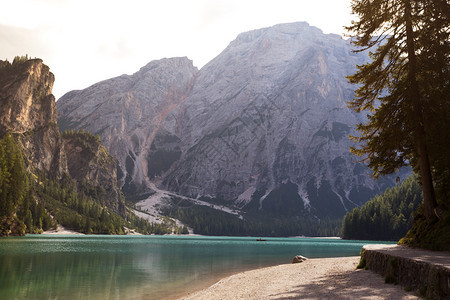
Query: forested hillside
[385, 217]
[208, 221]
[47, 178]
[32, 202]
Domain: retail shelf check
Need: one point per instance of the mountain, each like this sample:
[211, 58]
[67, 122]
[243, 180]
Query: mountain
[127, 112]
[266, 126]
[47, 178]
[261, 129]
[28, 110]
[89, 163]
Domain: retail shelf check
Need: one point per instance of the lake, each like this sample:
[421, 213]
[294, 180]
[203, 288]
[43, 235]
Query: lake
[142, 267]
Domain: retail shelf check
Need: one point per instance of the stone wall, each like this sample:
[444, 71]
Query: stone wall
[426, 272]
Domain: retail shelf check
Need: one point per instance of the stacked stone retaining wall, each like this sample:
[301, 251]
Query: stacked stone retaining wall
[426, 272]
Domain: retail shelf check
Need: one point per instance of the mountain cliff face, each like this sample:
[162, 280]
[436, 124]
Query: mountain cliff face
[267, 122]
[28, 110]
[48, 178]
[89, 162]
[127, 112]
[28, 113]
[263, 127]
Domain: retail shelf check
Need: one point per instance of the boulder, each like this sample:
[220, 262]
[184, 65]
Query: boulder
[298, 259]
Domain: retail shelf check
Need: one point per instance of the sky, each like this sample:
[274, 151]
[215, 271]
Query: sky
[86, 41]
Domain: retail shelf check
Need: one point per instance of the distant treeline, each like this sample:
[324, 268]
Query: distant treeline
[208, 221]
[386, 217]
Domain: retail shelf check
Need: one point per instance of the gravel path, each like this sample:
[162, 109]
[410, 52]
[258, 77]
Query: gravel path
[327, 278]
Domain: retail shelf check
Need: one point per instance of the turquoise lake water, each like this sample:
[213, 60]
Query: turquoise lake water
[142, 267]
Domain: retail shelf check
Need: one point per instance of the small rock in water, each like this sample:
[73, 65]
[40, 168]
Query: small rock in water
[298, 259]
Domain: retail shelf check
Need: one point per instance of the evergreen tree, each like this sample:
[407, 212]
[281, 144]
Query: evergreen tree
[385, 217]
[13, 184]
[405, 89]
[13, 179]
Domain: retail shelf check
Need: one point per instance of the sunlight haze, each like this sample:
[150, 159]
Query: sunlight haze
[84, 42]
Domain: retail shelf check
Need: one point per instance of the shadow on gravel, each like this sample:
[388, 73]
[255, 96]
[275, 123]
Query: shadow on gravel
[358, 284]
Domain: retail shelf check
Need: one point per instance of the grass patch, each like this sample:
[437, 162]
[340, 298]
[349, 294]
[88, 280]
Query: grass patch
[362, 261]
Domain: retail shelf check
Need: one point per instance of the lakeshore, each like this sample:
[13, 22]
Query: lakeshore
[322, 278]
[61, 230]
[143, 267]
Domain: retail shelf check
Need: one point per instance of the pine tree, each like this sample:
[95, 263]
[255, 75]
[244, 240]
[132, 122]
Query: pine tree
[404, 87]
[13, 178]
[385, 217]
[13, 186]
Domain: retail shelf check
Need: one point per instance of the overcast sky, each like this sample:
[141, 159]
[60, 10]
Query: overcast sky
[86, 41]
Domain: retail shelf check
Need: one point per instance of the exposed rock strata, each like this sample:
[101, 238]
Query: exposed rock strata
[127, 112]
[28, 110]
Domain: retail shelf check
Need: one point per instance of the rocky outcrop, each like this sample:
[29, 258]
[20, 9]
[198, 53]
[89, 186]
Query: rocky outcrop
[269, 116]
[89, 162]
[263, 127]
[28, 110]
[426, 272]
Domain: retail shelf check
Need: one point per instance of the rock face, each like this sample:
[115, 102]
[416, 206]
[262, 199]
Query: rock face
[89, 161]
[262, 127]
[267, 122]
[28, 110]
[127, 112]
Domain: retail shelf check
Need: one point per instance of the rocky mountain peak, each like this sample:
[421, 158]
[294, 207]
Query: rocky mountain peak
[262, 127]
[26, 100]
[168, 63]
[293, 30]
[28, 110]
[127, 112]
[268, 116]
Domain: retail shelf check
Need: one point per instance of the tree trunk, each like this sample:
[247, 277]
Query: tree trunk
[429, 197]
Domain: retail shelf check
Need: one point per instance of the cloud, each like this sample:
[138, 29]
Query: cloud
[86, 41]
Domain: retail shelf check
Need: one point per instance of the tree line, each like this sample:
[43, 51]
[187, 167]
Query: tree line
[404, 89]
[208, 221]
[386, 217]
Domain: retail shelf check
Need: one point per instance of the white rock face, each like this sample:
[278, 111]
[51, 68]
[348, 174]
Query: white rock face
[263, 126]
[127, 112]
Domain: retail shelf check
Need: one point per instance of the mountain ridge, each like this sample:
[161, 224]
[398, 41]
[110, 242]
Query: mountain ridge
[122, 134]
[260, 128]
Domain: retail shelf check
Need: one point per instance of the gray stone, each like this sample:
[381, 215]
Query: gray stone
[266, 116]
[127, 112]
[298, 259]
[424, 271]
